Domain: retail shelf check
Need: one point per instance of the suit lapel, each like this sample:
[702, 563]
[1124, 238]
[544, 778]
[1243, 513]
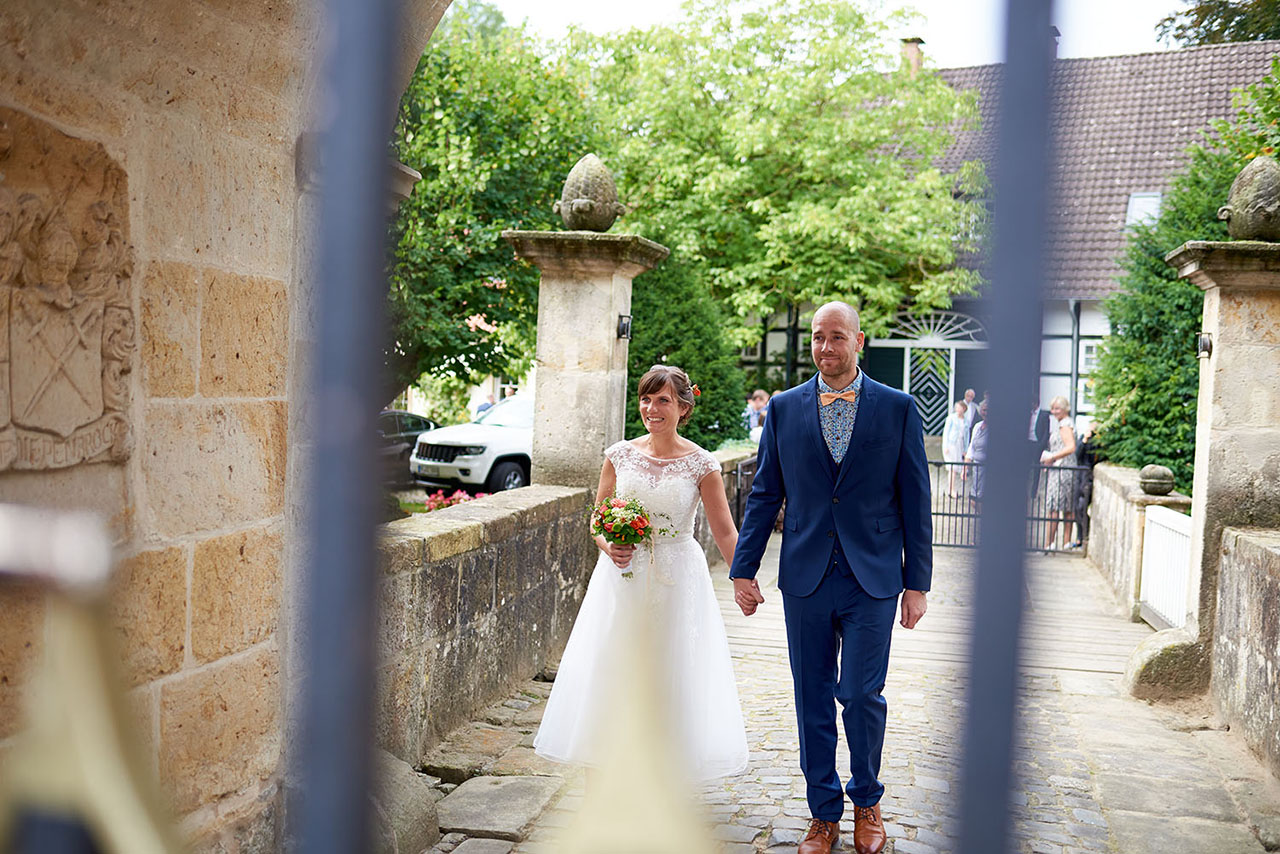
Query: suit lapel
[809, 403]
[866, 411]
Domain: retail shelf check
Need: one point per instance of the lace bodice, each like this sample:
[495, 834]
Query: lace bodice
[667, 488]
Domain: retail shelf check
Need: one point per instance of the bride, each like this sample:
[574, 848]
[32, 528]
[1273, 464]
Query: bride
[670, 585]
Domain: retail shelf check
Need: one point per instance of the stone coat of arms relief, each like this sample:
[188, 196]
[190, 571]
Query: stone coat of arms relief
[66, 299]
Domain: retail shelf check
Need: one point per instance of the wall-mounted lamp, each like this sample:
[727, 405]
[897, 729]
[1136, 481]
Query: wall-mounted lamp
[1204, 345]
[624, 326]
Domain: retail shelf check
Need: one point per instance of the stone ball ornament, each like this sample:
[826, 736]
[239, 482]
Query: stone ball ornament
[1252, 210]
[1155, 480]
[589, 201]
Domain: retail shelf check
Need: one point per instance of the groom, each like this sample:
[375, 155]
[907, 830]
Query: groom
[847, 454]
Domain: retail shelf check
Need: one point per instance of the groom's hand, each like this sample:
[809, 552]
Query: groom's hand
[913, 607]
[746, 592]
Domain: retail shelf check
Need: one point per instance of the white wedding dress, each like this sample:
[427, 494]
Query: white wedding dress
[671, 587]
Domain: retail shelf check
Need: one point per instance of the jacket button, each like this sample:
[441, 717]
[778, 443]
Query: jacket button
[831, 533]
[835, 501]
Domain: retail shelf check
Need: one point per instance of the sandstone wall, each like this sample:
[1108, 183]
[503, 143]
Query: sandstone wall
[154, 250]
[1246, 646]
[475, 599]
[1117, 515]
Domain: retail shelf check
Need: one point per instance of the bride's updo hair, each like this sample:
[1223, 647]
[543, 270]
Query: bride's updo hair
[662, 376]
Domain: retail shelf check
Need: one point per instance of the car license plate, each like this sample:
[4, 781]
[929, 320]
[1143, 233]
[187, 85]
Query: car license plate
[428, 471]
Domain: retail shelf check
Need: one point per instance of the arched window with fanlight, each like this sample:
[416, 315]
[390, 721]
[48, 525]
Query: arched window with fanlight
[933, 357]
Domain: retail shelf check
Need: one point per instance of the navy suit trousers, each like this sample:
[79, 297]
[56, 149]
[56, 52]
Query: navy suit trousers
[838, 642]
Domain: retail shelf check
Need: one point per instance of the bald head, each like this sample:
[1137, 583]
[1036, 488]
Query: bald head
[840, 312]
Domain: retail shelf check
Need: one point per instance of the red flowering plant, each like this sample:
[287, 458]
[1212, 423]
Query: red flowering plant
[624, 521]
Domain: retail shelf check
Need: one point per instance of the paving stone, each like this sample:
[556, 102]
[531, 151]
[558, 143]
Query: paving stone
[521, 761]
[785, 836]
[484, 846]
[735, 833]
[1137, 833]
[469, 751]
[1269, 833]
[497, 807]
[1090, 817]
[1143, 794]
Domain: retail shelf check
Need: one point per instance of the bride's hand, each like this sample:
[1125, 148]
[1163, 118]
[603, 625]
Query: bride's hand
[620, 555]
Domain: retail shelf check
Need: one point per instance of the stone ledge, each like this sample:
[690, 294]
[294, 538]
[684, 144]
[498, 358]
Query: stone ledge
[441, 534]
[563, 252]
[1227, 263]
[730, 459]
[1125, 481]
[1259, 546]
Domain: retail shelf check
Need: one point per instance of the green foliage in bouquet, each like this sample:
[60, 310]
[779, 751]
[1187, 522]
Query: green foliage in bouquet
[624, 522]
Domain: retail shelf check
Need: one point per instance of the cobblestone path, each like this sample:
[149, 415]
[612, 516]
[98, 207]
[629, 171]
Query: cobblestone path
[1097, 770]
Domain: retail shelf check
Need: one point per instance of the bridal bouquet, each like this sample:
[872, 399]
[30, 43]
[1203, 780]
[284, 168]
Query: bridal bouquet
[624, 521]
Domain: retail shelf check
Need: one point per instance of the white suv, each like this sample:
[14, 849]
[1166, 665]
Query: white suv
[490, 454]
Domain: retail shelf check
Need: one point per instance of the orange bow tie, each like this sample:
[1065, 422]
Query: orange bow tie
[830, 397]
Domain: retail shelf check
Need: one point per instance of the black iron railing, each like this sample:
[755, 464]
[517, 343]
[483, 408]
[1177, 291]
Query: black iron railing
[1057, 504]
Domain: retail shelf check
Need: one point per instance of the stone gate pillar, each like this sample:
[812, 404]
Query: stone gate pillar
[1237, 463]
[581, 380]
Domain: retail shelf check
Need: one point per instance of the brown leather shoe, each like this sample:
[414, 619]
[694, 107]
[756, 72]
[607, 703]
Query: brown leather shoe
[868, 830]
[822, 836]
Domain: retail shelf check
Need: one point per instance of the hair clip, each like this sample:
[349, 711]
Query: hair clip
[697, 392]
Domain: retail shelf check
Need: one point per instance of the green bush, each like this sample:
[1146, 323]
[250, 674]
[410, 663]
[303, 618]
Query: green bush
[1148, 377]
[676, 321]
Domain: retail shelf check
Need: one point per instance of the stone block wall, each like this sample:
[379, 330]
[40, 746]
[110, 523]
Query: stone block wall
[1246, 645]
[1117, 515]
[154, 243]
[189, 110]
[729, 461]
[475, 599]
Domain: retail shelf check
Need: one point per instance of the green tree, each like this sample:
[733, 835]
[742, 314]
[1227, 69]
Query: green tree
[493, 122]
[776, 150]
[676, 321]
[1219, 21]
[1148, 377]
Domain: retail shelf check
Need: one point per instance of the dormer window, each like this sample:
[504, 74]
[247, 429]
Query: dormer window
[1143, 208]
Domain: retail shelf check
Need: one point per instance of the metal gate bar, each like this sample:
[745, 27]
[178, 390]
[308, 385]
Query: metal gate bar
[1014, 304]
[329, 792]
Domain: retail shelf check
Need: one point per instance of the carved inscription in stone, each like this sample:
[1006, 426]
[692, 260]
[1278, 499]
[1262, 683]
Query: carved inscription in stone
[66, 299]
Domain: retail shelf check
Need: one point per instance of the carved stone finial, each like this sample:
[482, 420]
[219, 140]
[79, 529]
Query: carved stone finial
[589, 201]
[1155, 480]
[1252, 210]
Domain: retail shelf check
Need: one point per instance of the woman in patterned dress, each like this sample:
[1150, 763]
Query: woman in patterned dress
[1059, 486]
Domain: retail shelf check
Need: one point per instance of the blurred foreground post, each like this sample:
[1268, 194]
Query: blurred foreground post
[75, 781]
[640, 798]
[1014, 299]
[331, 778]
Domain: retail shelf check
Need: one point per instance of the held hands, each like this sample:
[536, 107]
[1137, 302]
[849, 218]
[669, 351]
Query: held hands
[913, 607]
[746, 592]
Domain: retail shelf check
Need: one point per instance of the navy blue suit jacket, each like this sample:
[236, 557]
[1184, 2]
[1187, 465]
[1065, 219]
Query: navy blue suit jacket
[876, 502]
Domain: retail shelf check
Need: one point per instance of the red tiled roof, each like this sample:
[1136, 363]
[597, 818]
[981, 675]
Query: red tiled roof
[1122, 125]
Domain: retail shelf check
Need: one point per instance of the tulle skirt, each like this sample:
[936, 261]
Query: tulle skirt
[684, 639]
